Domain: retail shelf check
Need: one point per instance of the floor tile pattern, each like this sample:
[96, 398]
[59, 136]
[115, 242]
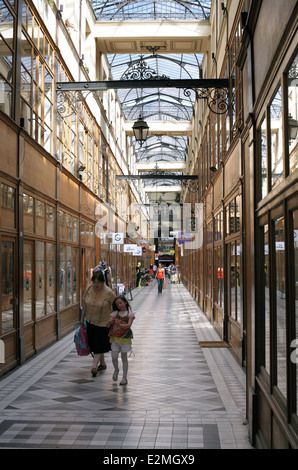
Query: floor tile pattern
[178, 396]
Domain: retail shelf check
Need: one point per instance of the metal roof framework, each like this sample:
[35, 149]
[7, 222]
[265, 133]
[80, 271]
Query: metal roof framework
[162, 103]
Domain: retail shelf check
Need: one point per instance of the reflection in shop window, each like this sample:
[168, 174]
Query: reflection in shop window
[68, 227]
[62, 225]
[295, 224]
[62, 276]
[75, 230]
[293, 115]
[50, 221]
[50, 291]
[266, 298]
[75, 260]
[40, 280]
[27, 282]
[276, 139]
[39, 217]
[69, 276]
[264, 180]
[232, 281]
[237, 282]
[280, 296]
[7, 206]
[6, 59]
[7, 270]
[28, 210]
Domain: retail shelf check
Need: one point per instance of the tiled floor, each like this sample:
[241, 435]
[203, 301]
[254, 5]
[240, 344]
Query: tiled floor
[178, 396]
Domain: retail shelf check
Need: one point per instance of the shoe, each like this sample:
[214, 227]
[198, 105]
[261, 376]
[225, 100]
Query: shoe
[93, 372]
[123, 382]
[100, 367]
[115, 375]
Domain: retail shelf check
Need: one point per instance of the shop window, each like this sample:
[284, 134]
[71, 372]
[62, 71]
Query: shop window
[27, 282]
[233, 216]
[6, 58]
[209, 272]
[28, 211]
[62, 277]
[62, 222]
[295, 290]
[69, 274]
[75, 230]
[50, 221]
[218, 229]
[231, 280]
[8, 206]
[8, 273]
[266, 298]
[293, 115]
[40, 279]
[51, 277]
[68, 227]
[39, 217]
[276, 153]
[280, 299]
[219, 276]
[75, 274]
[264, 170]
[234, 280]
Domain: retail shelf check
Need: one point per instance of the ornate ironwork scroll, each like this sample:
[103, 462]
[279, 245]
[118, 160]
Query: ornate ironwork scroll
[141, 71]
[67, 101]
[217, 98]
[191, 185]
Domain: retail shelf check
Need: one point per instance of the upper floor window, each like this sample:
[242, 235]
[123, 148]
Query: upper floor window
[7, 33]
[292, 124]
[278, 156]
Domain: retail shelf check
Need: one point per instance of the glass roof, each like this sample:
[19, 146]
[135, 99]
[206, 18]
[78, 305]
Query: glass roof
[162, 147]
[117, 10]
[164, 104]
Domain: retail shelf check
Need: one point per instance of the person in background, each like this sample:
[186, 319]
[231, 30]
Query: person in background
[138, 272]
[97, 307]
[103, 266]
[160, 276]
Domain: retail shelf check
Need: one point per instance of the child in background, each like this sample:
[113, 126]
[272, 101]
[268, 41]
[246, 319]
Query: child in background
[121, 335]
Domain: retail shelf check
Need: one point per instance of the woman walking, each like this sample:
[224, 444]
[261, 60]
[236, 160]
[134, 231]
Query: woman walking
[97, 307]
[160, 275]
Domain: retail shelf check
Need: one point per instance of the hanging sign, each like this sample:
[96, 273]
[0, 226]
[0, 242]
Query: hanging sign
[137, 251]
[117, 238]
[129, 248]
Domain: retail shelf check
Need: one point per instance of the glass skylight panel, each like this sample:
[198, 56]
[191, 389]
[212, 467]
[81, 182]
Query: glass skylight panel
[165, 104]
[117, 10]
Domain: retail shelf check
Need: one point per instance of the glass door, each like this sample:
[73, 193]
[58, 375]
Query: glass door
[8, 288]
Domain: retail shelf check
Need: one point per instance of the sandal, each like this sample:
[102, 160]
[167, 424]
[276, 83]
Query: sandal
[100, 367]
[93, 372]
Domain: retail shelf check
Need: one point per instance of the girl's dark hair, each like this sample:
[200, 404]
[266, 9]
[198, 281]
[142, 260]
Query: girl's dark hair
[99, 275]
[114, 306]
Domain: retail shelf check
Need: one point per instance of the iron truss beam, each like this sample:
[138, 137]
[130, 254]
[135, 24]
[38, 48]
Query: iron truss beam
[190, 182]
[155, 176]
[214, 90]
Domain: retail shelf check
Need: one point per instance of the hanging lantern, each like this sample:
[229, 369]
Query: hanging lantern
[140, 130]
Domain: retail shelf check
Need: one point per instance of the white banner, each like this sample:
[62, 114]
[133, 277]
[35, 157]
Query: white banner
[137, 251]
[117, 238]
[130, 248]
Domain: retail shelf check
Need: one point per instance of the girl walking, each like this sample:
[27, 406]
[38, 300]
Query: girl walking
[121, 335]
